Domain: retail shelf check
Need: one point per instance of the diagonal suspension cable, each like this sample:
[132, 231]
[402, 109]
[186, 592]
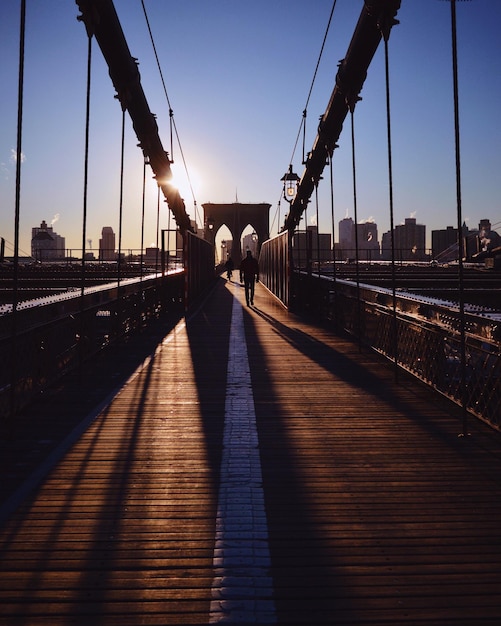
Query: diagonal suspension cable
[171, 112]
[302, 125]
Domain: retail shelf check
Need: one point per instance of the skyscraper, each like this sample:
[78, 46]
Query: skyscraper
[46, 244]
[346, 246]
[107, 244]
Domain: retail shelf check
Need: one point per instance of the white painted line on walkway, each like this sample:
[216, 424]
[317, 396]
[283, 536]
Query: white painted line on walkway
[242, 589]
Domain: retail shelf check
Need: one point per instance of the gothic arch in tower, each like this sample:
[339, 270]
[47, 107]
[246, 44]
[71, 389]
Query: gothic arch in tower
[236, 216]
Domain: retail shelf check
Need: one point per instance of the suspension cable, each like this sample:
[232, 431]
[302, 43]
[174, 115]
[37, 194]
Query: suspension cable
[462, 322]
[158, 228]
[318, 227]
[86, 162]
[15, 294]
[157, 60]
[305, 113]
[386, 33]
[331, 180]
[19, 159]
[355, 210]
[143, 204]
[85, 200]
[172, 121]
[302, 125]
[121, 202]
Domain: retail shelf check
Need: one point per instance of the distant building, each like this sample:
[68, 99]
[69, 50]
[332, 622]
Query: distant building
[226, 247]
[483, 242]
[443, 241]
[346, 246]
[386, 246]
[311, 246]
[368, 243]
[152, 255]
[107, 244]
[409, 242]
[249, 242]
[47, 245]
[488, 238]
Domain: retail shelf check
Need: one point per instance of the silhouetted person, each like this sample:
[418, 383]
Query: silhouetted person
[229, 265]
[249, 275]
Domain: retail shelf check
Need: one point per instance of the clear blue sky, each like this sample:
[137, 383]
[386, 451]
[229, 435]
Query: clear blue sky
[238, 76]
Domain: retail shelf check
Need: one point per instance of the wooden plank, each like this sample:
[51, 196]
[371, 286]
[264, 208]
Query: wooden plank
[377, 512]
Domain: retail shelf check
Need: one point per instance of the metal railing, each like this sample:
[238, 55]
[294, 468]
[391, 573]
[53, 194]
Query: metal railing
[422, 335]
[55, 334]
[273, 260]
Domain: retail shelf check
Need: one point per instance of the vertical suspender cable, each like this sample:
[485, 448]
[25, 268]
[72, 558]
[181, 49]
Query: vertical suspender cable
[171, 113]
[141, 257]
[168, 241]
[334, 277]
[19, 158]
[120, 216]
[306, 260]
[85, 196]
[304, 135]
[158, 227]
[459, 220]
[394, 333]
[318, 228]
[333, 225]
[355, 210]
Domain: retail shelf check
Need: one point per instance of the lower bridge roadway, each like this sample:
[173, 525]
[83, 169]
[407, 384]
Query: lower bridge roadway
[254, 467]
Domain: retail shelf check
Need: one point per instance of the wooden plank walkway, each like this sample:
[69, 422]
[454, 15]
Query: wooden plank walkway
[374, 510]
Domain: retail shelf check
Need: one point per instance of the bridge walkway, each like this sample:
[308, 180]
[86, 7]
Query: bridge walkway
[256, 468]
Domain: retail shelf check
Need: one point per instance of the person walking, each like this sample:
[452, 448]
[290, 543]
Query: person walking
[229, 267]
[249, 275]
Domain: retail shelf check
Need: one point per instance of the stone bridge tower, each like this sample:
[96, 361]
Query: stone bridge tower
[236, 217]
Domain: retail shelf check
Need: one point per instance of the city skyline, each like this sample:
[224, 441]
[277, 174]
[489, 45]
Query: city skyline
[238, 99]
[107, 241]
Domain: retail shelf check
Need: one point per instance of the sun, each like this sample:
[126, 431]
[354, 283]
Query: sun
[187, 181]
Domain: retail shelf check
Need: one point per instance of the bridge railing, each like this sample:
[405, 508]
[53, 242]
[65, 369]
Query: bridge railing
[50, 336]
[199, 266]
[53, 336]
[421, 334]
[273, 258]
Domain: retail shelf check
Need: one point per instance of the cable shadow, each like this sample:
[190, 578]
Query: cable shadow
[353, 373]
[88, 566]
[313, 554]
[301, 560]
[208, 332]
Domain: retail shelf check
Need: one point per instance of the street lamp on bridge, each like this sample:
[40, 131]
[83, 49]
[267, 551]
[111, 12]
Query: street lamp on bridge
[291, 181]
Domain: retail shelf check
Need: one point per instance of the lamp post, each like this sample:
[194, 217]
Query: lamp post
[291, 181]
[209, 229]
